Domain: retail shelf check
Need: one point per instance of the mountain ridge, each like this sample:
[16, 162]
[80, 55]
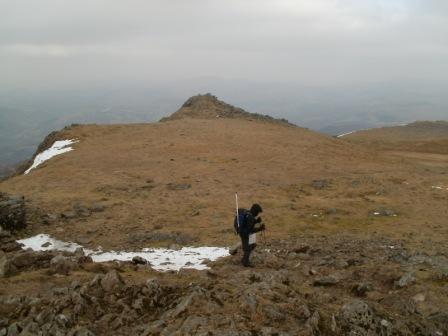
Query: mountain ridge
[208, 106]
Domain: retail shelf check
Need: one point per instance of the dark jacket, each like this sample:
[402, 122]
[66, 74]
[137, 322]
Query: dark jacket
[247, 226]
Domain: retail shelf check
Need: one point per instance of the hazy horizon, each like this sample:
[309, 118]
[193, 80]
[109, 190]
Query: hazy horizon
[329, 65]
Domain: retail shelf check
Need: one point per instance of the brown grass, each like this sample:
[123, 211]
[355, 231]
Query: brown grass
[128, 168]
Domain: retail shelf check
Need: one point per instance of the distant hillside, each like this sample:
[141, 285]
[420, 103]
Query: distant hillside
[208, 106]
[420, 136]
[181, 175]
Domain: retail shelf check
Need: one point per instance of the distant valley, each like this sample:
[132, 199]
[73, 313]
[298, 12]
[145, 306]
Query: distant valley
[26, 117]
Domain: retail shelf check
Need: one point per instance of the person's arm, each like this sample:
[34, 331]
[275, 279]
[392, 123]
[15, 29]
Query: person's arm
[252, 221]
[258, 229]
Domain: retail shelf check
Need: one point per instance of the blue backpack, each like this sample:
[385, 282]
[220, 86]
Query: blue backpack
[242, 221]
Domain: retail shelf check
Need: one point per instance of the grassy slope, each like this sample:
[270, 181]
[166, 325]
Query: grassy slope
[128, 168]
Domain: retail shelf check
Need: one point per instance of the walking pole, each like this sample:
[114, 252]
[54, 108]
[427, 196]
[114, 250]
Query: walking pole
[237, 215]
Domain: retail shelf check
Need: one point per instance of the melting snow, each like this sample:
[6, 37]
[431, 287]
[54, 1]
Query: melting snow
[438, 188]
[344, 134]
[59, 147]
[161, 259]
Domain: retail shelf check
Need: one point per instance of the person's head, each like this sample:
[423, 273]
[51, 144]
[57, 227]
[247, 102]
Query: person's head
[255, 209]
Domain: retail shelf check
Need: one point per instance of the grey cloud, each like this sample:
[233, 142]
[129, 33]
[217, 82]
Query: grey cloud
[317, 41]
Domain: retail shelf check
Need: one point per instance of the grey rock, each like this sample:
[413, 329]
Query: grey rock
[44, 316]
[234, 249]
[405, 305]
[155, 328]
[273, 313]
[68, 215]
[331, 211]
[79, 252]
[30, 329]
[175, 247]
[406, 280]
[383, 212]
[62, 321]
[137, 260]
[24, 259]
[301, 248]
[192, 325]
[356, 314]
[362, 288]
[81, 210]
[183, 305]
[249, 303]
[61, 265]
[97, 207]
[12, 212]
[49, 218]
[83, 240]
[6, 268]
[303, 312]
[14, 329]
[178, 186]
[440, 274]
[112, 281]
[313, 322]
[340, 264]
[329, 280]
[320, 184]
[83, 332]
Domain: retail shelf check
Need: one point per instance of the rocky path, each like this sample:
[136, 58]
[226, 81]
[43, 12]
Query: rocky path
[335, 285]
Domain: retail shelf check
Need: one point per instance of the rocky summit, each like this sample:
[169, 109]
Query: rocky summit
[208, 106]
[355, 241]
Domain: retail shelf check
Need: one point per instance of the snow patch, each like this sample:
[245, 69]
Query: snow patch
[344, 134]
[59, 147]
[43, 242]
[161, 259]
[401, 124]
[439, 188]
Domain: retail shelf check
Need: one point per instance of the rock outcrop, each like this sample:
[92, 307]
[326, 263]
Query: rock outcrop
[277, 297]
[208, 106]
[12, 212]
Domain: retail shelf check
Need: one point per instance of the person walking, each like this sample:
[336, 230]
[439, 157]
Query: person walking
[246, 226]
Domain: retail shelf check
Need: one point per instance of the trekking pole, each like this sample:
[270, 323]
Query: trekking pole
[237, 215]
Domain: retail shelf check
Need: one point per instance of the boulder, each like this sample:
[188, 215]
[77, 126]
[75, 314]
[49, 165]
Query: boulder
[6, 267]
[12, 212]
[68, 215]
[155, 328]
[301, 248]
[329, 280]
[112, 281]
[24, 259]
[361, 289]
[81, 331]
[406, 280]
[137, 260]
[234, 249]
[61, 265]
[357, 318]
[81, 210]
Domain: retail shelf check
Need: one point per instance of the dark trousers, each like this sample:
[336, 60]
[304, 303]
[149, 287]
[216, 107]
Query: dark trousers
[247, 249]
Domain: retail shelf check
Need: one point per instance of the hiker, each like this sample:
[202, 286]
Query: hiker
[245, 226]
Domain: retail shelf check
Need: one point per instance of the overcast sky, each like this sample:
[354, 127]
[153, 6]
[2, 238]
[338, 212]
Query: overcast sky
[317, 42]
